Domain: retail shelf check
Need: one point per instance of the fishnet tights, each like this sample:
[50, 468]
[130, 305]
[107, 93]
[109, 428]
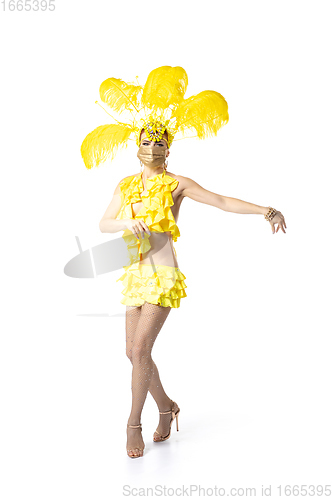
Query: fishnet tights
[143, 324]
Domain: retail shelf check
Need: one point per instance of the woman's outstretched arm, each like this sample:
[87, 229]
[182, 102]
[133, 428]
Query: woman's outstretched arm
[193, 190]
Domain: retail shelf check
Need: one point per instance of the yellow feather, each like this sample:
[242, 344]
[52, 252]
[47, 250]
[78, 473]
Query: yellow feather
[205, 112]
[103, 142]
[120, 95]
[165, 86]
[161, 99]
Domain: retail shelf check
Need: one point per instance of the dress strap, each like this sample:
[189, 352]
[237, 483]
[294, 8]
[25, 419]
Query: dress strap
[173, 246]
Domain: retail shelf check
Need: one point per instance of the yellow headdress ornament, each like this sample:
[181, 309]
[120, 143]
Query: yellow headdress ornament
[157, 107]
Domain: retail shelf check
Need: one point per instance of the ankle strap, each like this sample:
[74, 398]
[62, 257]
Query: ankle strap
[134, 426]
[169, 411]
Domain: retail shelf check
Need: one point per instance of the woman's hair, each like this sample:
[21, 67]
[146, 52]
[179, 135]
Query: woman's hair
[163, 137]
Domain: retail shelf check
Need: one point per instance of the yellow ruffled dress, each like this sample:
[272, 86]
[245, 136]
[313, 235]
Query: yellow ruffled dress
[155, 283]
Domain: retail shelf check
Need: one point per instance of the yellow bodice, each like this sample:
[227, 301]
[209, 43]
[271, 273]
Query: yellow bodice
[155, 212]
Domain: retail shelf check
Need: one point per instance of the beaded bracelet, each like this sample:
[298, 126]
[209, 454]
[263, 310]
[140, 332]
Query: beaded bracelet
[270, 214]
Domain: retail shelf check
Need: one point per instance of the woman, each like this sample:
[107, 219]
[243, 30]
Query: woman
[146, 206]
[144, 322]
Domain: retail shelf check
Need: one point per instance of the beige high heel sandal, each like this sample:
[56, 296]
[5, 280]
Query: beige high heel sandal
[174, 415]
[136, 448]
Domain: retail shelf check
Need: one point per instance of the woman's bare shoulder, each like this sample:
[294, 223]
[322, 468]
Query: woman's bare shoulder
[183, 181]
[175, 176]
[179, 178]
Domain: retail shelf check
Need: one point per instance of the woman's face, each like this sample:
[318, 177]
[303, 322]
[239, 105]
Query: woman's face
[145, 141]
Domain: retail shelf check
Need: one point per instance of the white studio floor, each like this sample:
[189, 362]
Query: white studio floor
[238, 428]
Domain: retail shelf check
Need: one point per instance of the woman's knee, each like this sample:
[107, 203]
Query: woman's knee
[129, 353]
[140, 352]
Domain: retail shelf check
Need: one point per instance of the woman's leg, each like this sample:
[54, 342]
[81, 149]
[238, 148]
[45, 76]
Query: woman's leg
[148, 326]
[155, 387]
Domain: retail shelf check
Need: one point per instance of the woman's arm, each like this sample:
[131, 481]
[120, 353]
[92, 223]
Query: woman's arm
[108, 223]
[197, 193]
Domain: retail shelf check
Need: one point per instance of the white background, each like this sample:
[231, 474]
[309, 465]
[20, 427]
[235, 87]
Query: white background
[248, 355]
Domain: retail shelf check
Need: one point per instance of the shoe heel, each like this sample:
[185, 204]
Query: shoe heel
[177, 421]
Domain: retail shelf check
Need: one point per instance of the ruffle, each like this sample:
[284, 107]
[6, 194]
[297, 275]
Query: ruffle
[156, 211]
[165, 286]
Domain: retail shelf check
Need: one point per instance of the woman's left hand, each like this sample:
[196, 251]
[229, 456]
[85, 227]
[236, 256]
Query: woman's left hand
[279, 220]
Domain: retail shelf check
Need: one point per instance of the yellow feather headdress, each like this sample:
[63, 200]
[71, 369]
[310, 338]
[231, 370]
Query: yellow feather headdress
[156, 107]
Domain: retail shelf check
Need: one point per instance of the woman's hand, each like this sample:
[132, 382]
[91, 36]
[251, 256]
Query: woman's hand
[279, 220]
[137, 226]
